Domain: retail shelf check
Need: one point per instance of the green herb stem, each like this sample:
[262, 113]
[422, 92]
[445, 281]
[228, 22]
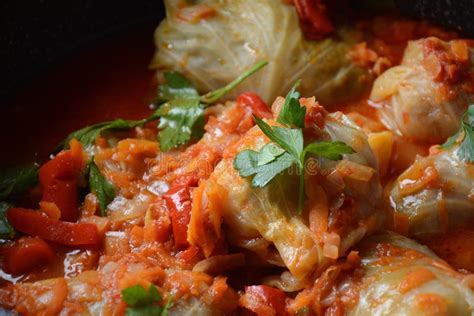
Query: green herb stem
[215, 95]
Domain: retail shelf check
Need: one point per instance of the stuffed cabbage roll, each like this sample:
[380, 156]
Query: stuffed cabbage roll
[393, 276]
[212, 42]
[434, 195]
[341, 206]
[425, 96]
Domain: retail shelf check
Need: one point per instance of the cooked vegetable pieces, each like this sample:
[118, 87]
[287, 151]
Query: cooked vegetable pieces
[398, 276]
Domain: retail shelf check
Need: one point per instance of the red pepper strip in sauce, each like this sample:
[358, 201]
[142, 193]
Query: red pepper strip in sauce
[59, 179]
[255, 103]
[34, 223]
[178, 200]
[26, 254]
[264, 300]
[313, 18]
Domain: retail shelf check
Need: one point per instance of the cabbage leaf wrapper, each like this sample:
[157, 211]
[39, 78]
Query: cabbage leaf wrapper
[419, 98]
[396, 276]
[265, 220]
[435, 194]
[213, 50]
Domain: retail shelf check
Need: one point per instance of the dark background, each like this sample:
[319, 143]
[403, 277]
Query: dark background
[36, 33]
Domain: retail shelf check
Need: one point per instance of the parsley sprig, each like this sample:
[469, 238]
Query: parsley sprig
[143, 303]
[287, 148]
[464, 136]
[182, 109]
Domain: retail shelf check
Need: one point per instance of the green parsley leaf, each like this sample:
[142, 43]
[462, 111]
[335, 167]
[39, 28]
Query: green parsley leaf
[176, 87]
[215, 95]
[149, 310]
[329, 150]
[101, 187]
[263, 165]
[271, 160]
[291, 140]
[181, 120]
[87, 135]
[292, 113]
[6, 230]
[144, 303]
[15, 181]
[464, 136]
[182, 113]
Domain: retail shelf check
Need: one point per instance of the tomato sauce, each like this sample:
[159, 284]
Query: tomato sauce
[106, 80]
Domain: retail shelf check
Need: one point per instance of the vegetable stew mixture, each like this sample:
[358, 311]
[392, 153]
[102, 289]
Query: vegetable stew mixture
[302, 158]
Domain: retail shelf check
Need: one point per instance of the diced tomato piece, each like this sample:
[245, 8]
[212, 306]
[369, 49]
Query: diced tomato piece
[255, 103]
[264, 300]
[27, 253]
[35, 223]
[59, 179]
[313, 18]
[178, 200]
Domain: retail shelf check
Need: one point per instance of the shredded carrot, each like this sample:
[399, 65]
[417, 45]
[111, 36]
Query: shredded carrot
[318, 209]
[431, 303]
[420, 176]
[195, 13]
[415, 279]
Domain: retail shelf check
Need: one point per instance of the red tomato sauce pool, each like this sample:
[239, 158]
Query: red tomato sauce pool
[108, 79]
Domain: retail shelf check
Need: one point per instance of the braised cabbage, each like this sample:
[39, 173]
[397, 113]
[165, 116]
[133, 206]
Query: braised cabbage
[265, 220]
[435, 194]
[398, 276]
[415, 102]
[213, 50]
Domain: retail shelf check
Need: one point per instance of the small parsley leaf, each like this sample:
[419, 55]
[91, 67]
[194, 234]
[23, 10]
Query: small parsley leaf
[176, 87]
[464, 136]
[329, 150]
[182, 109]
[87, 135]
[6, 230]
[101, 187]
[15, 181]
[291, 140]
[181, 120]
[292, 113]
[144, 303]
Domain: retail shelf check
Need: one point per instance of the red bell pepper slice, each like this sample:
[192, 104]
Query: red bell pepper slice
[26, 254]
[35, 223]
[59, 179]
[313, 18]
[255, 103]
[178, 200]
